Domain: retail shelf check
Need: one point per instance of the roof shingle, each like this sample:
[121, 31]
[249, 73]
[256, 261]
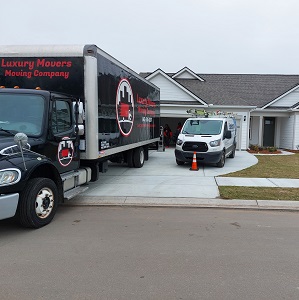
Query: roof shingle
[238, 89]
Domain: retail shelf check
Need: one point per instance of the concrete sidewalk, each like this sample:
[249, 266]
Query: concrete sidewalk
[161, 182]
[262, 182]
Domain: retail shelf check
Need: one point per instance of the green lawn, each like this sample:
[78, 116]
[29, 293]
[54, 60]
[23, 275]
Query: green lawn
[268, 166]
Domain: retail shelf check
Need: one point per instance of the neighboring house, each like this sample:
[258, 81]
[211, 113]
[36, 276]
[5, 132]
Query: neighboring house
[266, 106]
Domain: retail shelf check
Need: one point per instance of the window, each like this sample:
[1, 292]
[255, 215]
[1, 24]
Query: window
[22, 113]
[225, 130]
[61, 117]
[203, 127]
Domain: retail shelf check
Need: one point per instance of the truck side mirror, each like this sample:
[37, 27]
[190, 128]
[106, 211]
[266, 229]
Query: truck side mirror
[81, 115]
[80, 129]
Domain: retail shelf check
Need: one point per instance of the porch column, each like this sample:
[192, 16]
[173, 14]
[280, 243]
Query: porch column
[261, 131]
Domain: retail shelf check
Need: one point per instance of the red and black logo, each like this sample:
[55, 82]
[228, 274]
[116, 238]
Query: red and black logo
[125, 107]
[65, 152]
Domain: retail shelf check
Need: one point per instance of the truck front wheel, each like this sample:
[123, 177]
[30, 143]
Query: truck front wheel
[38, 203]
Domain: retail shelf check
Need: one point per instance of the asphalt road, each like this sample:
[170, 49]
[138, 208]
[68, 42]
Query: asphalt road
[152, 253]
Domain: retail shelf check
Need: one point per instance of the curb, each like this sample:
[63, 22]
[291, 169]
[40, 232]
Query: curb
[183, 202]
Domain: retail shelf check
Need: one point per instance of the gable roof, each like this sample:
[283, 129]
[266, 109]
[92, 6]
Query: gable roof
[238, 89]
[160, 72]
[186, 73]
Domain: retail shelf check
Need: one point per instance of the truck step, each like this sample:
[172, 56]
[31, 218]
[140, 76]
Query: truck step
[74, 192]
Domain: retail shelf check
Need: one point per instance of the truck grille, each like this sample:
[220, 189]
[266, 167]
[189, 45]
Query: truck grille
[195, 146]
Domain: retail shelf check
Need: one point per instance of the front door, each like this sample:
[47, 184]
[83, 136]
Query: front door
[269, 131]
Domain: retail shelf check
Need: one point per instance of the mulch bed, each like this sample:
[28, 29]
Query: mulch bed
[268, 152]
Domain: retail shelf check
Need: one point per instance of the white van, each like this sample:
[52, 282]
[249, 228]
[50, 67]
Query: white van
[211, 138]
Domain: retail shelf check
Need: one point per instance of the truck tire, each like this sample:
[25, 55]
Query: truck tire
[130, 158]
[138, 157]
[221, 162]
[38, 203]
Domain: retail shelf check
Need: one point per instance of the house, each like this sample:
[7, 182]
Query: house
[266, 107]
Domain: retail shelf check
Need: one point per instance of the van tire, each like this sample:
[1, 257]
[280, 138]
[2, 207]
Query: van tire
[233, 153]
[221, 162]
[179, 162]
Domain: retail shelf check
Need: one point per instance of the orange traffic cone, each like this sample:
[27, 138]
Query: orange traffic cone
[194, 163]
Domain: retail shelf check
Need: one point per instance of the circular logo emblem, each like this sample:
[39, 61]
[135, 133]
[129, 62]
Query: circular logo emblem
[124, 107]
[65, 152]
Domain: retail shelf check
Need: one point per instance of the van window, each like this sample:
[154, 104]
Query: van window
[202, 127]
[225, 127]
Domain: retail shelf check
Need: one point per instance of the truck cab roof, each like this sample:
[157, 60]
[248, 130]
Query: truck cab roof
[33, 91]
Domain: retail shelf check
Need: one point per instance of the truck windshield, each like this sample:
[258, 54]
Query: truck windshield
[21, 113]
[203, 127]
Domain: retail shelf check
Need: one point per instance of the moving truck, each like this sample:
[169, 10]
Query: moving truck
[65, 111]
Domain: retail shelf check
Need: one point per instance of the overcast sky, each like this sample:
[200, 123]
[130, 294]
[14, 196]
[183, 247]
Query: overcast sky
[207, 36]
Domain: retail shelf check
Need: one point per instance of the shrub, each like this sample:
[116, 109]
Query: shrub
[254, 147]
[272, 149]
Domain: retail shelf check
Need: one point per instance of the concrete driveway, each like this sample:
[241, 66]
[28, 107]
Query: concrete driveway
[161, 177]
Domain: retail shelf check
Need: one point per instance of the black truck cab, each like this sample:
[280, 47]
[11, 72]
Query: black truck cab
[47, 122]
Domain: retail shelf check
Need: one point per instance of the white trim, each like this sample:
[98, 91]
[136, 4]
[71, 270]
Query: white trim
[91, 107]
[160, 72]
[41, 50]
[185, 69]
[278, 98]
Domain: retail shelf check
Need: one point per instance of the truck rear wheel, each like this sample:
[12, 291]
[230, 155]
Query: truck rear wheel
[38, 203]
[138, 157]
[129, 158]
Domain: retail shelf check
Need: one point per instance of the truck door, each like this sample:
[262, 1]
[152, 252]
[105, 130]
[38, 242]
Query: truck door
[61, 146]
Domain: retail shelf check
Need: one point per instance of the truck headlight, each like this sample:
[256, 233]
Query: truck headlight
[179, 142]
[215, 143]
[9, 176]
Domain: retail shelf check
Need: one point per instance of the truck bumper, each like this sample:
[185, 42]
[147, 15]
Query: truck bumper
[8, 205]
[204, 157]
